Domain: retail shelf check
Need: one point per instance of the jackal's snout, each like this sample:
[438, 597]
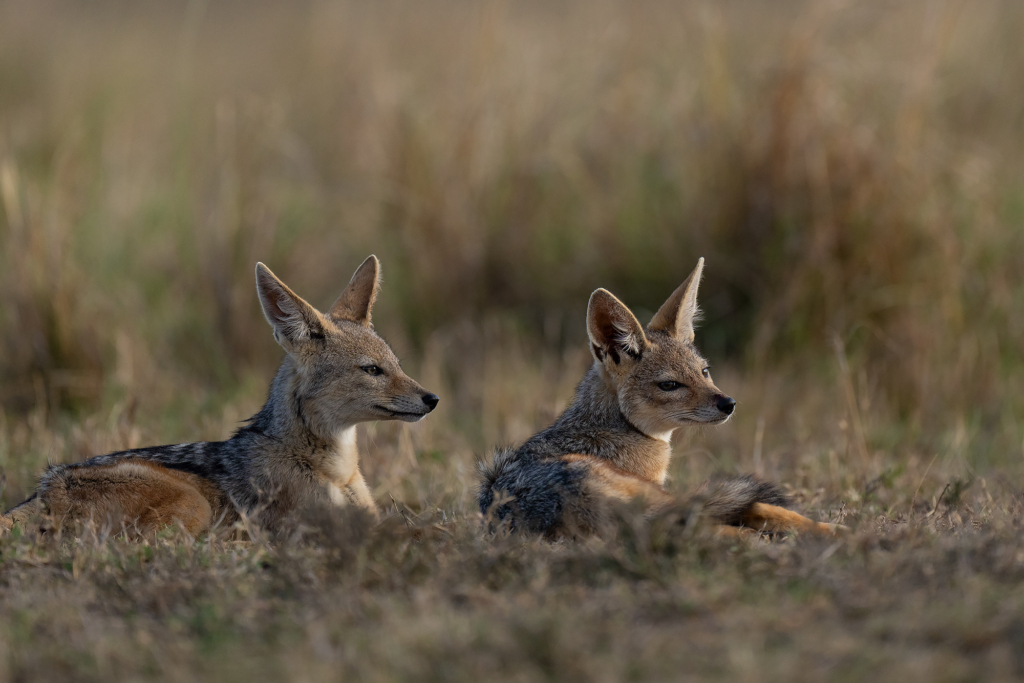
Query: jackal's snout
[725, 404]
[431, 401]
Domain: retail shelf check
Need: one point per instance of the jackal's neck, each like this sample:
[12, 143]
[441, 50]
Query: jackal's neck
[285, 419]
[594, 424]
[596, 402]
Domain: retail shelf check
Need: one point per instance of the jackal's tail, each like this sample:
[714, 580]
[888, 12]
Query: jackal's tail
[756, 505]
[503, 466]
[729, 500]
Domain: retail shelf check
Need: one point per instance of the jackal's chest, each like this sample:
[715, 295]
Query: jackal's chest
[341, 466]
[648, 460]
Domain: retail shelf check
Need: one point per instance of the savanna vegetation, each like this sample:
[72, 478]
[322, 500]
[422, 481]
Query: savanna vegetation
[852, 172]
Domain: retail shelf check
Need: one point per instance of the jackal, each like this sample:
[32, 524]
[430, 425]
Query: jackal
[613, 442]
[300, 449]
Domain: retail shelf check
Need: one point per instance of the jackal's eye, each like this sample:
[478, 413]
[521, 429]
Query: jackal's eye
[372, 370]
[706, 372]
[669, 386]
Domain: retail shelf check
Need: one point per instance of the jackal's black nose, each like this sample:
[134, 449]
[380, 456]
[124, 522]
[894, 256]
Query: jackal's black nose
[726, 404]
[431, 400]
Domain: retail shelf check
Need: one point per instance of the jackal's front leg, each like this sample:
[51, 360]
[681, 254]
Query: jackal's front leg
[355, 492]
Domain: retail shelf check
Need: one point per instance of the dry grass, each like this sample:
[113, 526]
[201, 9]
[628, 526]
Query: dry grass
[852, 172]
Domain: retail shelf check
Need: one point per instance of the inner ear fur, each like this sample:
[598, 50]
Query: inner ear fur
[293, 319]
[356, 302]
[679, 313]
[612, 328]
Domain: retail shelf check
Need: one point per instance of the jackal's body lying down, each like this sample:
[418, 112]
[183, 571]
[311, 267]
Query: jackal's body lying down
[300, 449]
[613, 442]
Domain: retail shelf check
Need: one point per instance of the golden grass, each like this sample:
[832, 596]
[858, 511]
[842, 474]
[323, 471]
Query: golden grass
[851, 171]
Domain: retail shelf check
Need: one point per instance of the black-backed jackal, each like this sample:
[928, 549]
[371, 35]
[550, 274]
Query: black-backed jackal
[613, 442]
[300, 449]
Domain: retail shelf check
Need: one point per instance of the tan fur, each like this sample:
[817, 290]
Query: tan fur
[614, 482]
[136, 492]
[773, 518]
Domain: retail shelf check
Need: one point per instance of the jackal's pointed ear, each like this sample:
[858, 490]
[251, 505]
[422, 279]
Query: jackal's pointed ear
[677, 315]
[356, 301]
[613, 329]
[294, 321]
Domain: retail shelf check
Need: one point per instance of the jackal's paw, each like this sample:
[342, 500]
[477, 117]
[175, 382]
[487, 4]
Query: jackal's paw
[829, 529]
[726, 531]
[776, 519]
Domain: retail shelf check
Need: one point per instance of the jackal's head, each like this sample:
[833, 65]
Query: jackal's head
[344, 372]
[661, 380]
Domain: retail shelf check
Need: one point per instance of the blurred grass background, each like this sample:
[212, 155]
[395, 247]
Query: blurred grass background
[852, 172]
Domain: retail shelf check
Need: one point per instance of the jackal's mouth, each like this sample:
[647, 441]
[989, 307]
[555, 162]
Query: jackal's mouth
[403, 415]
[710, 421]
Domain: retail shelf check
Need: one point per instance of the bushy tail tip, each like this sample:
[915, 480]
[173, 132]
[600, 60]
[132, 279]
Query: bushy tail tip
[728, 499]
